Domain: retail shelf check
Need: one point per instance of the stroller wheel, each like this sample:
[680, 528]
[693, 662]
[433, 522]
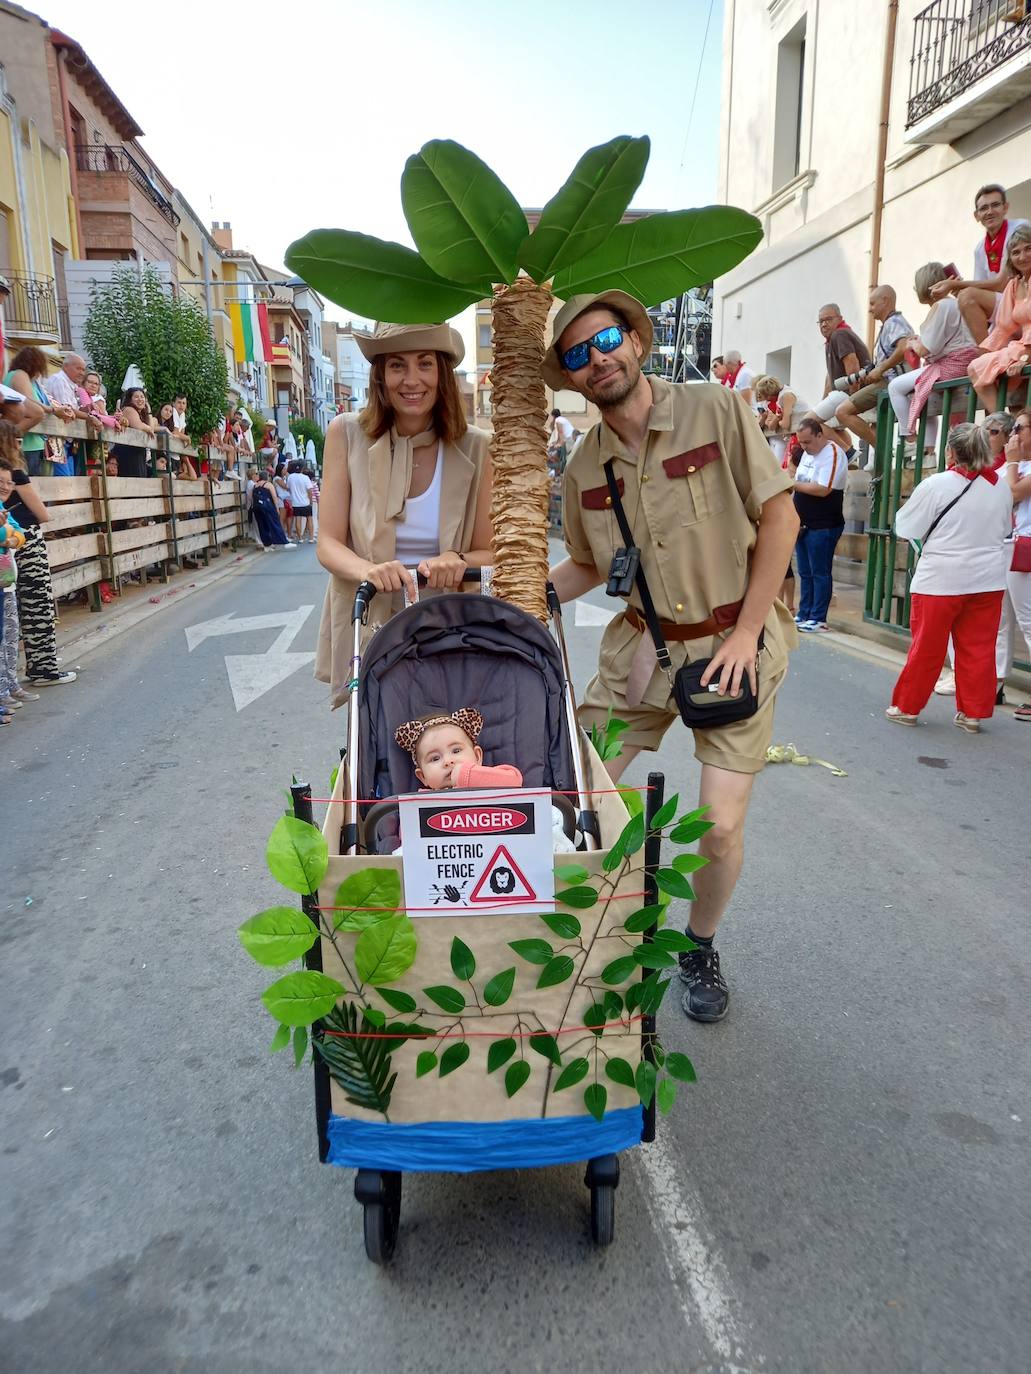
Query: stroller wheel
[602, 1178]
[380, 1196]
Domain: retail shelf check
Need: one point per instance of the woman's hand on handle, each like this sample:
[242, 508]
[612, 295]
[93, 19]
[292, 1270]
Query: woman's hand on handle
[390, 577]
[444, 571]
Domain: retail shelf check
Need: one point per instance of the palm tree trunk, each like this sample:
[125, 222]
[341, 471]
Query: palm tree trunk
[519, 505]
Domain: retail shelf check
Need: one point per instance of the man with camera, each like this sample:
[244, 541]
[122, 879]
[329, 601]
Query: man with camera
[675, 502]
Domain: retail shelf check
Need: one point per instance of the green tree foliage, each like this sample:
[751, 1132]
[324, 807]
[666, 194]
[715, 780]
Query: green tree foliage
[134, 318]
[303, 430]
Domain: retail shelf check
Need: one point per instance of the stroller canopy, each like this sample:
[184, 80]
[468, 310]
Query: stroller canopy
[458, 650]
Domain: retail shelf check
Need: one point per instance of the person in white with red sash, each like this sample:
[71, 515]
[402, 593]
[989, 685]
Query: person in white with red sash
[1018, 478]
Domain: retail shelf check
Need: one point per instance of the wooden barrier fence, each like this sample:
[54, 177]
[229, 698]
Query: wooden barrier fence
[103, 528]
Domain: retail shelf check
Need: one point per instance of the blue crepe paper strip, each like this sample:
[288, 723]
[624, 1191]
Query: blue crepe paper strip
[465, 1147]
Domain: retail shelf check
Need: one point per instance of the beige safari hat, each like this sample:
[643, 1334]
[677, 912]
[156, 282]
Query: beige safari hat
[628, 306]
[412, 338]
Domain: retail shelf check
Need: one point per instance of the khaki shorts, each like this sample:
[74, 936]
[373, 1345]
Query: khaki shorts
[739, 748]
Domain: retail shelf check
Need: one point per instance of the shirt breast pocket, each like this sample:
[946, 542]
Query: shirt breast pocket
[598, 520]
[696, 479]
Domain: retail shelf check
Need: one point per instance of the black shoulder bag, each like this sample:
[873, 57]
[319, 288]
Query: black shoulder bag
[700, 707]
[921, 544]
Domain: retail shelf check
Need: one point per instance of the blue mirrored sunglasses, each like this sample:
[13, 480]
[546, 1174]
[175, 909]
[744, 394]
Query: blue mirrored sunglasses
[606, 340]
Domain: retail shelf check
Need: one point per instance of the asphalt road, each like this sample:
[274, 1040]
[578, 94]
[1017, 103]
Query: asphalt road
[845, 1189]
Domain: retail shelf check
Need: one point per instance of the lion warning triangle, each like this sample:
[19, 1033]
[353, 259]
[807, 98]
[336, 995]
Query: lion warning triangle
[502, 881]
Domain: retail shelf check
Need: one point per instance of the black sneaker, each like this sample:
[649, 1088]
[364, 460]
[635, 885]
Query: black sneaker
[706, 997]
[51, 679]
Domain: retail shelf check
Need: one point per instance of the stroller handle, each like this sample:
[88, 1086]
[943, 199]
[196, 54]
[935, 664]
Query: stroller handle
[366, 591]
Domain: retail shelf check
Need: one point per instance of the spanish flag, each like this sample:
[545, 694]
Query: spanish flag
[252, 342]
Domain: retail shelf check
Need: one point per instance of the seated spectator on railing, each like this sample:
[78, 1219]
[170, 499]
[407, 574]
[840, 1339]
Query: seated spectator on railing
[65, 389]
[132, 460]
[845, 355]
[946, 347]
[780, 414]
[179, 415]
[821, 474]
[26, 374]
[164, 418]
[1006, 351]
[960, 522]
[34, 589]
[858, 412]
[978, 299]
[92, 400]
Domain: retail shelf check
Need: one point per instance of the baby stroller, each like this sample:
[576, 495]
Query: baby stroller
[479, 1079]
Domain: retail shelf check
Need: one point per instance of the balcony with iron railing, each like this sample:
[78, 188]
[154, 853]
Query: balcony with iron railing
[971, 59]
[106, 158]
[31, 310]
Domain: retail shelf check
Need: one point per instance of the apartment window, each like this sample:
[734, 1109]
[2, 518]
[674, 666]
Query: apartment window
[787, 118]
[485, 336]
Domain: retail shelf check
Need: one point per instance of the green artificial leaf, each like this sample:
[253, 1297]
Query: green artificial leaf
[653, 956]
[644, 1081]
[595, 1098]
[377, 279]
[620, 1071]
[574, 1072]
[366, 897]
[563, 925]
[361, 1066]
[595, 1018]
[556, 971]
[463, 962]
[465, 221]
[277, 936]
[533, 951]
[297, 855]
[426, 1063]
[679, 1066]
[666, 1095]
[634, 993]
[580, 897]
[666, 812]
[605, 739]
[447, 999]
[669, 880]
[664, 255]
[547, 1046]
[453, 1058]
[674, 940]
[688, 863]
[333, 779]
[582, 214]
[571, 873]
[300, 1045]
[515, 1077]
[687, 831]
[400, 1001]
[620, 969]
[386, 950]
[500, 1052]
[613, 1005]
[643, 919]
[280, 1040]
[398, 1032]
[375, 1017]
[658, 1053]
[653, 993]
[629, 841]
[632, 800]
[499, 988]
[301, 998]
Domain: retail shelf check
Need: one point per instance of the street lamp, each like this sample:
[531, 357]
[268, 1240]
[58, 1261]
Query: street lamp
[283, 411]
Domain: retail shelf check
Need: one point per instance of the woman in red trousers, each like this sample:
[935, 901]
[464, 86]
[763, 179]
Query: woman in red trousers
[960, 521]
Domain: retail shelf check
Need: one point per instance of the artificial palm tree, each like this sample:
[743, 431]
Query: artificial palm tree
[474, 241]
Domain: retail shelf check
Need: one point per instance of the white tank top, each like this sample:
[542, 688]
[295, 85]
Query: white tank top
[418, 534]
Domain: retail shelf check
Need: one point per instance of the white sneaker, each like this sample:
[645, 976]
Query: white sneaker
[946, 684]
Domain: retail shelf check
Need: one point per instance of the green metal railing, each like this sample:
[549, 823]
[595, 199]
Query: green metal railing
[890, 561]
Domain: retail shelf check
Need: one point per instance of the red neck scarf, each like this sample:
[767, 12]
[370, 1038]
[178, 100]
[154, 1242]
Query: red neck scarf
[730, 378]
[989, 474]
[993, 247]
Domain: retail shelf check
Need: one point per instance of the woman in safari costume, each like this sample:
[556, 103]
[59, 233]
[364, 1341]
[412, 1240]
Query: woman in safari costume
[406, 484]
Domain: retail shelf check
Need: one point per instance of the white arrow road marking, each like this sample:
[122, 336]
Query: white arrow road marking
[589, 614]
[252, 675]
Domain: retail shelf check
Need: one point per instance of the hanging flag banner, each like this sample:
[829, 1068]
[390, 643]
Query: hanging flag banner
[252, 342]
[479, 851]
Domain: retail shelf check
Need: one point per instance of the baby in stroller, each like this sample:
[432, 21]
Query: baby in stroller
[446, 754]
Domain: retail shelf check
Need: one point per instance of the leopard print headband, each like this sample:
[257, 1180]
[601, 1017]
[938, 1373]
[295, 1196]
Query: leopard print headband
[466, 718]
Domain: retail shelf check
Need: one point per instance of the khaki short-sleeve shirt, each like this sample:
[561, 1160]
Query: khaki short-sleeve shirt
[692, 496]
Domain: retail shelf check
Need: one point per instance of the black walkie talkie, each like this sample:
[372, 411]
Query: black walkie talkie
[623, 571]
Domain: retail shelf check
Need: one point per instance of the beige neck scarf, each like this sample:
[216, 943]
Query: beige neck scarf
[402, 447]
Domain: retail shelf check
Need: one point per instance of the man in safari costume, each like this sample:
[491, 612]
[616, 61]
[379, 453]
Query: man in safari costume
[711, 513]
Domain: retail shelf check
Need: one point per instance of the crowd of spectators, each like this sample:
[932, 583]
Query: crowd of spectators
[977, 328]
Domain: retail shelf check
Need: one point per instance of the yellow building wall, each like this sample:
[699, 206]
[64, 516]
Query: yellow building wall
[48, 200]
[9, 192]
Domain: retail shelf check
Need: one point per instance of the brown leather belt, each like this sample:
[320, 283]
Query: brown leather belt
[721, 619]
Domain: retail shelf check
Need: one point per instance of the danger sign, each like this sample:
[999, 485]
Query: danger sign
[478, 851]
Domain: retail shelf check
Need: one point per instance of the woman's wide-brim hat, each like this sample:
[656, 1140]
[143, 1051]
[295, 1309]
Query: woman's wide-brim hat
[412, 338]
[628, 306]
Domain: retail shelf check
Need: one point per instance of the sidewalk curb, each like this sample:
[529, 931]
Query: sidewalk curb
[86, 639]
